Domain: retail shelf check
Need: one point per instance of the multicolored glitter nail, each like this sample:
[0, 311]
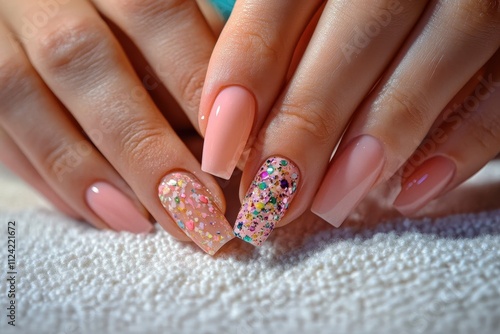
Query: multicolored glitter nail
[191, 206]
[267, 200]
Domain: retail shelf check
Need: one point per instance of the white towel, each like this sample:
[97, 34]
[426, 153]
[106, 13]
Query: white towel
[401, 276]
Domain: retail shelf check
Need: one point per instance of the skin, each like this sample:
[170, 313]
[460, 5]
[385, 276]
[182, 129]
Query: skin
[153, 55]
[416, 58]
[107, 78]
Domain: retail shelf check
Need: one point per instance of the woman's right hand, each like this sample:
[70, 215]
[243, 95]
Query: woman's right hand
[362, 81]
[79, 123]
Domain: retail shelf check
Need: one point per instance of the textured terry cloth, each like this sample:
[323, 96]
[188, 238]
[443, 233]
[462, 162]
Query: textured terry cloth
[401, 276]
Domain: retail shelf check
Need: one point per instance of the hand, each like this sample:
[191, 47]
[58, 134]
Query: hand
[80, 125]
[371, 78]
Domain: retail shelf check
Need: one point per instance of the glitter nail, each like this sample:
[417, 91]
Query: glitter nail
[192, 207]
[267, 200]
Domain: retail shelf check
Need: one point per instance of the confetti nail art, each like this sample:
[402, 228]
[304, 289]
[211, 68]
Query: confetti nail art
[191, 206]
[267, 200]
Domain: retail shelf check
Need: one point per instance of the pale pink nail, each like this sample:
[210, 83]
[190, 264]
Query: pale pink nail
[228, 129]
[116, 209]
[428, 181]
[349, 179]
[192, 207]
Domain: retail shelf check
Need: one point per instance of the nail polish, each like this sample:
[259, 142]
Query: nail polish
[267, 200]
[192, 208]
[116, 209]
[348, 179]
[229, 125]
[426, 182]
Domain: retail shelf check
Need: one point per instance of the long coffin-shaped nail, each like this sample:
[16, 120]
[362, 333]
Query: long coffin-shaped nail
[349, 179]
[192, 207]
[267, 200]
[116, 209]
[228, 129]
[424, 184]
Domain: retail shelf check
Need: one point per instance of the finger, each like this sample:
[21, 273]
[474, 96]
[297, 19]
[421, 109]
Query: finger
[146, 72]
[397, 115]
[478, 194]
[247, 70]
[309, 118]
[155, 87]
[82, 63]
[303, 42]
[174, 38]
[466, 140]
[62, 156]
[14, 159]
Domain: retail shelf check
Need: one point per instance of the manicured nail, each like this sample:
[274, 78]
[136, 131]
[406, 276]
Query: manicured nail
[228, 129]
[349, 179]
[192, 207]
[116, 209]
[427, 182]
[267, 200]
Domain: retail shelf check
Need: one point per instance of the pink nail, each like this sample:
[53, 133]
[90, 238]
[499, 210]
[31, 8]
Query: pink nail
[427, 182]
[116, 209]
[267, 200]
[229, 126]
[192, 208]
[349, 179]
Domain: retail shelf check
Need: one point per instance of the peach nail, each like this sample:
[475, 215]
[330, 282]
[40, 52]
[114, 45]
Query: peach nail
[228, 129]
[116, 209]
[427, 182]
[349, 179]
[192, 208]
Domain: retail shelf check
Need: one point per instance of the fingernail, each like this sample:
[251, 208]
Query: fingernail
[192, 208]
[349, 179]
[424, 184]
[267, 200]
[116, 209]
[228, 129]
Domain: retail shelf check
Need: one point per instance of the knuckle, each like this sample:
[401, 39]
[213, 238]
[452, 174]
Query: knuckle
[15, 78]
[259, 45]
[153, 13]
[256, 37]
[73, 46]
[191, 86]
[139, 141]
[412, 110]
[311, 119]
